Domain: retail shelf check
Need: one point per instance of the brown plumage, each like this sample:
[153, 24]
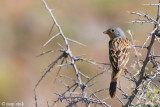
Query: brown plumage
[118, 55]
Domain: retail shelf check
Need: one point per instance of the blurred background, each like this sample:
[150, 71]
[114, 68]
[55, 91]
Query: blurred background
[25, 27]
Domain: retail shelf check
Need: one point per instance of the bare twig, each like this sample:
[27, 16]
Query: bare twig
[77, 92]
[69, 94]
[45, 73]
[135, 50]
[51, 39]
[147, 59]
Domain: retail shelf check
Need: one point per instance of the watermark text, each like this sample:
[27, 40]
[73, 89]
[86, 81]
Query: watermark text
[10, 104]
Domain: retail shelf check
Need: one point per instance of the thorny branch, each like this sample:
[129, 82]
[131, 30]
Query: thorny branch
[143, 82]
[72, 98]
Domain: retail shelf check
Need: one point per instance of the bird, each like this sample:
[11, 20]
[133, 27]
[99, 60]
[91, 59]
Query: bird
[118, 55]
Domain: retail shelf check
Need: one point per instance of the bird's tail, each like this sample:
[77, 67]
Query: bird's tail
[112, 89]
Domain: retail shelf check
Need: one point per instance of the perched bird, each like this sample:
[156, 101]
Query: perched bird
[118, 55]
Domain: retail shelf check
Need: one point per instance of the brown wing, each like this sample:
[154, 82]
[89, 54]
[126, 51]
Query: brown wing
[118, 53]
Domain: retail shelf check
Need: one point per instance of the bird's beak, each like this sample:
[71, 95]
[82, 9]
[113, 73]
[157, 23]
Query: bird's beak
[105, 32]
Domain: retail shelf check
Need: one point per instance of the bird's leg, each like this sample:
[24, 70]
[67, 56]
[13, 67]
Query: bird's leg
[126, 70]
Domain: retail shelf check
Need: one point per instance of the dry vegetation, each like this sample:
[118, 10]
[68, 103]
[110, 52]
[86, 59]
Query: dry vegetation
[144, 90]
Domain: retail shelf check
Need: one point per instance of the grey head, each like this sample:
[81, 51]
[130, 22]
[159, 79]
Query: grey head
[115, 32]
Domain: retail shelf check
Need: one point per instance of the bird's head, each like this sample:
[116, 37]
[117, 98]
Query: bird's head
[115, 32]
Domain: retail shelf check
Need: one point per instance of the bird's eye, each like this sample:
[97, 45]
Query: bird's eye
[112, 30]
